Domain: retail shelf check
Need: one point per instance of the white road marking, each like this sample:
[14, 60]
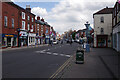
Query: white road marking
[43, 50]
[37, 51]
[48, 52]
[61, 54]
[67, 55]
[48, 49]
[55, 53]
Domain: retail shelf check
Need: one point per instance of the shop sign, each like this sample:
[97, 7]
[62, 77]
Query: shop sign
[23, 33]
[32, 34]
[9, 35]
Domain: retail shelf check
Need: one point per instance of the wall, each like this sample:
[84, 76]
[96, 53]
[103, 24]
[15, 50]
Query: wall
[107, 25]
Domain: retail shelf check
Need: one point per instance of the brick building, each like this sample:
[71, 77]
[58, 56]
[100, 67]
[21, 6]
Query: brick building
[9, 24]
[26, 27]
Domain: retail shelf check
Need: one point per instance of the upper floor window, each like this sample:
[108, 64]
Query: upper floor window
[102, 30]
[12, 23]
[28, 26]
[28, 17]
[102, 19]
[32, 20]
[23, 15]
[23, 25]
[32, 28]
[5, 21]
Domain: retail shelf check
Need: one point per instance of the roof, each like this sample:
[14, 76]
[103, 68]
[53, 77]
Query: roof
[39, 21]
[104, 11]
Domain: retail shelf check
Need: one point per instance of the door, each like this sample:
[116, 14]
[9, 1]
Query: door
[9, 41]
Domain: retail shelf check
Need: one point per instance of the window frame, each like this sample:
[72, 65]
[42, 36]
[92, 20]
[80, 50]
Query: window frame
[13, 22]
[23, 26]
[102, 19]
[5, 21]
[23, 15]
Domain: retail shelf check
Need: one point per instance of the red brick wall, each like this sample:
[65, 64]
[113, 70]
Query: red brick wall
[11, 12]
[26, 20]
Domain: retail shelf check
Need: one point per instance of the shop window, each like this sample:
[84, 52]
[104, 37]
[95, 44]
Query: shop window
[12, 23]
[5, 21]
[102, 19]
[115, 40]
[15, 41]
[4, 40]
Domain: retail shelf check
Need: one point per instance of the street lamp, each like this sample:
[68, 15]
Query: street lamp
[87, 45]
[87, 25]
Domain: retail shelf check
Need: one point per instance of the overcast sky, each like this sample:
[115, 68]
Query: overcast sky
[64, 15]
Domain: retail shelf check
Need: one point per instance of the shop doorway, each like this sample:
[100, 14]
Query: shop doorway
[102, 41]
[8, 41]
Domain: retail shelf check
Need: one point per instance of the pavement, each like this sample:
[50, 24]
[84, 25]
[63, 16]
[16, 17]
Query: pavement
[23, 47]
[99, 63]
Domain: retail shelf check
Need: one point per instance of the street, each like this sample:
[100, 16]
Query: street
[39, 62]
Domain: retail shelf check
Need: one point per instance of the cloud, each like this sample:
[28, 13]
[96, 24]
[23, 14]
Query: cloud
[72, 14]
[39, 11]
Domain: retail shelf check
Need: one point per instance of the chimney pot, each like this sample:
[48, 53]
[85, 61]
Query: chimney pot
[38, 17]
[28, 8]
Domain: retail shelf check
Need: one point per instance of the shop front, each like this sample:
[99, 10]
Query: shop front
[23, 38]
[31, 39]
[102, 40]
[47, 39]
[9, 40]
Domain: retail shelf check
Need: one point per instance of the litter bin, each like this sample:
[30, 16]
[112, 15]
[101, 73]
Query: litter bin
[80, 56]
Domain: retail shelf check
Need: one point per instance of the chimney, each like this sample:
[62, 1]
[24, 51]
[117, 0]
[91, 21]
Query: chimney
[42, 19]
[28, 8]
[38, 17]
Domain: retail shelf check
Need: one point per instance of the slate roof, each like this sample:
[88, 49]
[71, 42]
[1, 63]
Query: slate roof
[105, 11]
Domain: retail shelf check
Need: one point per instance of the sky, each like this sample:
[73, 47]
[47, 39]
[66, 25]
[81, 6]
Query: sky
[64, 15]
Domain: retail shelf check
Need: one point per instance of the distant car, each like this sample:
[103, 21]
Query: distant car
[55, 42]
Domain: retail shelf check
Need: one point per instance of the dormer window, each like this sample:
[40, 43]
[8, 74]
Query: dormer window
[102, 19]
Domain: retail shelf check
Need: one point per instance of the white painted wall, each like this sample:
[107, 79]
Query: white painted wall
[107, 25]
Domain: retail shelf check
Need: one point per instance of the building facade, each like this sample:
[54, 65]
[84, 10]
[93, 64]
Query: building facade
[116, 27]
[26, 27]
[103, 28]
[19, 27]
[10, 15]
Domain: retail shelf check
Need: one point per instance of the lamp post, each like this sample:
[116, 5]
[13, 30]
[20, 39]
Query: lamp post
[87, 25]
[87, 45]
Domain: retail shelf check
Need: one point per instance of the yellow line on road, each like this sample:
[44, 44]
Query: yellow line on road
[60, 69]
